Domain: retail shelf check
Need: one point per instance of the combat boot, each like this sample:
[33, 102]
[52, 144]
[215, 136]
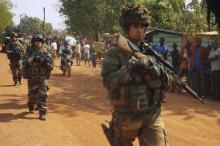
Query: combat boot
[31, 108]
[42, 115]
[15, 83]
[20, 82]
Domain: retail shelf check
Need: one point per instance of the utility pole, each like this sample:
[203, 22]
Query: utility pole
[23, 14]
[44, 19]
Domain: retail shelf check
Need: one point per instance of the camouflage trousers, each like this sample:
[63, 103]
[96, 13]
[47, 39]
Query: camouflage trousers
[38, 93]
[16, 67]
[148, 128]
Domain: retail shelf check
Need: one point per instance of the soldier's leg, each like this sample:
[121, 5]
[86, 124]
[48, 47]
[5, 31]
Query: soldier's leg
[42, 101]
[14, 72]
[124, 130]
[19, 67]
[153, 133]
[32, 99]
[32, 95]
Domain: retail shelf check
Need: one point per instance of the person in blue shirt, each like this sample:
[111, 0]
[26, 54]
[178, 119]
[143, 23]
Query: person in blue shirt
[162, 49]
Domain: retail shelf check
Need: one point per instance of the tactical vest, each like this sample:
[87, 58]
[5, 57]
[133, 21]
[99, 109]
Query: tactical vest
[139, 94]
[37, 69]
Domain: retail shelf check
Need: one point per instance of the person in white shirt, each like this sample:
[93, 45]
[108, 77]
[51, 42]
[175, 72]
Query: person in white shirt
[86, 50]
[54, 47]
[78, 53]
[214, 59]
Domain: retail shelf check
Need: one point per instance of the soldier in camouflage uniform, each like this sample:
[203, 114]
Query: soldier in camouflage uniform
[37, 66]
[134, 95]
[15, 53]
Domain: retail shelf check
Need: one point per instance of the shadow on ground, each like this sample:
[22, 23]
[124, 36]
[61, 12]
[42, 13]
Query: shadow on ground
[81, 92]
[8, 117]
[13, 104]
[183, 104]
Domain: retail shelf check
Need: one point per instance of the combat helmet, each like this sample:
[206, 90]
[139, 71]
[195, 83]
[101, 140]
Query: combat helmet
[134, 14]
[37, 37]
[14, 34]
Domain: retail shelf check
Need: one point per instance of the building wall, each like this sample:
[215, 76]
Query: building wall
[169, 40]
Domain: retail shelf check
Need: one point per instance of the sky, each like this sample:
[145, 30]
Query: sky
[34, 8]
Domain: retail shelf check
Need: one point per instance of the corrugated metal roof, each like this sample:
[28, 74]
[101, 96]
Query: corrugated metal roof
[209, 33]
[153, 29]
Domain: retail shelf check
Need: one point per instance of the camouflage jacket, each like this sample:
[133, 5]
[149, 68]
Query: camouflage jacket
[15, 51]
[128, 86]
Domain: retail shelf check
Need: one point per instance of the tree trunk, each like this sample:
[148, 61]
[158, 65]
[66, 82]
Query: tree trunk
[96, 36]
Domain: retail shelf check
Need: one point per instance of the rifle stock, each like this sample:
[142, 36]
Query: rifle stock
[127, 46]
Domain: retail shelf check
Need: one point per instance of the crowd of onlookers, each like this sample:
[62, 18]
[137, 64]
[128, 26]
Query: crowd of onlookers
[83, 50]
[199, 65]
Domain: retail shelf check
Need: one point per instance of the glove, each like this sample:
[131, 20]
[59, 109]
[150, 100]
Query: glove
[139, 65]
[36, 59]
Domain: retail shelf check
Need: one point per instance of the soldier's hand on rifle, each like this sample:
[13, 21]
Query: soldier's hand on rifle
[139, 65]
[37, 58]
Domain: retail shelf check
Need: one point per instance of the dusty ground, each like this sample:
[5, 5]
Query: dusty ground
[77, 106]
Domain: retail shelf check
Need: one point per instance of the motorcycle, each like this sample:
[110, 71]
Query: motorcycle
[66, 65]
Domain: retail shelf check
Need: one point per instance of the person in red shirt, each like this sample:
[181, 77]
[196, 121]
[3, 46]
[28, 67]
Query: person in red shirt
[184, 62]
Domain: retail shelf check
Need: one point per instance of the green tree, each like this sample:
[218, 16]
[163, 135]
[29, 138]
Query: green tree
[97, 16]
[5, 14]
[29, 25]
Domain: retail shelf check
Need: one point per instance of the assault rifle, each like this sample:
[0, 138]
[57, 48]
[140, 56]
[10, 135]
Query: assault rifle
[46, 59]
[127, 46]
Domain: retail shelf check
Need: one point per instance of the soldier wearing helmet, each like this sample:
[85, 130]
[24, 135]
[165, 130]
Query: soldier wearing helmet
[15, 53]
[135, 96]
[65, 52]
[37, 66]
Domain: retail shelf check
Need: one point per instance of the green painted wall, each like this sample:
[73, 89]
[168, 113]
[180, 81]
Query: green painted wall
[169, 40]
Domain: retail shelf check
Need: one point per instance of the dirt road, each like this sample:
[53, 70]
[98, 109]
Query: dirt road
[77, 106]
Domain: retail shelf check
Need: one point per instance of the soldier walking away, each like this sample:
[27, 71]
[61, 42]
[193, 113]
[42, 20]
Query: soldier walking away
[37, 66]
[15, 53]
[135, 95]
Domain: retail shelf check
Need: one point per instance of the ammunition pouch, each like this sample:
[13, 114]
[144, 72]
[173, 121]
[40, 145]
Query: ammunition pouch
[41, 71]
[26, 72]
[138, 98]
